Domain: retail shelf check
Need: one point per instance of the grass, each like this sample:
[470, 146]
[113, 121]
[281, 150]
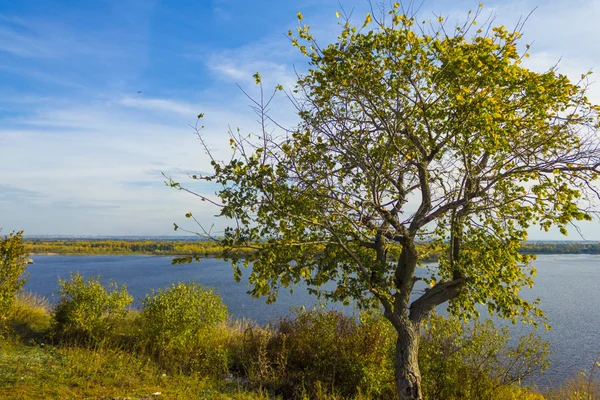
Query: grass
[49, 372]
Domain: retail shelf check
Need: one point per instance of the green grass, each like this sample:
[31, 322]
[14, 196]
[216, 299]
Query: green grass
[49, 372]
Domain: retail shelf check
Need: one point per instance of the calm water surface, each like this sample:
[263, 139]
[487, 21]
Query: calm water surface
[568, 286]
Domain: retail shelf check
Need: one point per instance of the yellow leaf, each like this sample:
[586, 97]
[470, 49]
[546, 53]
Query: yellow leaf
[368, 20]
[300, 16]
[337, 14]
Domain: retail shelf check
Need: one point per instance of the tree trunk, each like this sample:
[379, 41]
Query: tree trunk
[406, 363]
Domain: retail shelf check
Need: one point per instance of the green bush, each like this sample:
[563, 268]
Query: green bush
[13, 263]
[338, 351]
[460, 361]
[182, 326]
[87, 311]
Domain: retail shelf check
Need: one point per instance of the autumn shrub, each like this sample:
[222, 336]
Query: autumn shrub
[316, 352]
[584, 386]
[476, 361]
[13, 263]
[182, 326]
[88, 312]
[326, 354]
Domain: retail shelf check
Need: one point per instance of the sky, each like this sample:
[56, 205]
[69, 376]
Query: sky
[97, 98]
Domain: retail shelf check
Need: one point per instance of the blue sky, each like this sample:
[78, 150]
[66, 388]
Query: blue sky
[97, 96]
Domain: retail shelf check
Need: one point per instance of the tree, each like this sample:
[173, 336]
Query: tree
[13, 263]
[412, 135]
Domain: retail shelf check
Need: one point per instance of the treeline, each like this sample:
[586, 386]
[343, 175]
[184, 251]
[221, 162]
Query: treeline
[561, 248]
[211, 249]
[151, 247]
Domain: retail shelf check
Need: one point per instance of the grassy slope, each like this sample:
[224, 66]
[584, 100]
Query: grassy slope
[47, 372]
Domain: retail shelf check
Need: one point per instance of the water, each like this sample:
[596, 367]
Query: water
[568, 286]
[141, 274]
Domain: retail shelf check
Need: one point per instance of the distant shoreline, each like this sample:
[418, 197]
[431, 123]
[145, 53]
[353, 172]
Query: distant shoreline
[117, 254]
[206, 249]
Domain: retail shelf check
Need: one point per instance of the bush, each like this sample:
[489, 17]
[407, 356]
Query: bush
[460, 361]
[13, 263]
[585, 386]
[182, 326]
[320, 352]
[87, 311]
[338, 351]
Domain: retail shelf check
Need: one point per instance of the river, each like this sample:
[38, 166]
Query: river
[568, 286]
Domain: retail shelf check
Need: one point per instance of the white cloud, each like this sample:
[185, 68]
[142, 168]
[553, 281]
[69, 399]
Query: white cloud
[161, 105]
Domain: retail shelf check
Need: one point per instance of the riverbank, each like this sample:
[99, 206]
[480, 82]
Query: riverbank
[310, 355]
[206, 249]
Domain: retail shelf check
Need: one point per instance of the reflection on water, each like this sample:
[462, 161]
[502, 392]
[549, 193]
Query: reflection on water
[568, 286]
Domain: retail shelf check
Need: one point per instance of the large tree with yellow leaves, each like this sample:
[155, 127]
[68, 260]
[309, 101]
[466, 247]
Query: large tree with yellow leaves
[411, 133]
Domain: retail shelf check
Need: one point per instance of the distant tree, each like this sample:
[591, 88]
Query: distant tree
[410, 132]
[13, 263]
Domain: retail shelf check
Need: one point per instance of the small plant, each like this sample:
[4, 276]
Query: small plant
[13, 263]
[88, 311]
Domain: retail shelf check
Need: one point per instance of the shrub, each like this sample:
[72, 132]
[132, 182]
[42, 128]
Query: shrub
[321, 352]
[29, 316]
[182, 326]
[338, 351]
[13, 263]
[585, 386]
[87, 311]
[460, 361]
[325, 354]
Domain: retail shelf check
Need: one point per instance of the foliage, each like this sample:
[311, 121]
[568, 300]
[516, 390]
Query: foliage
[476, 361]
[13, 263]
[320, 351]
[312, 354]
[490, 146]
[395, 112]
[176, 313]
[181, 325]
[29, 317]
[334, 349]
[328, 352]
[87, 311]
[580, 387]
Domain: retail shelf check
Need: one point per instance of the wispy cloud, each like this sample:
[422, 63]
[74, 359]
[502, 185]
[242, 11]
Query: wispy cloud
[272, 59]
[161, 105]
